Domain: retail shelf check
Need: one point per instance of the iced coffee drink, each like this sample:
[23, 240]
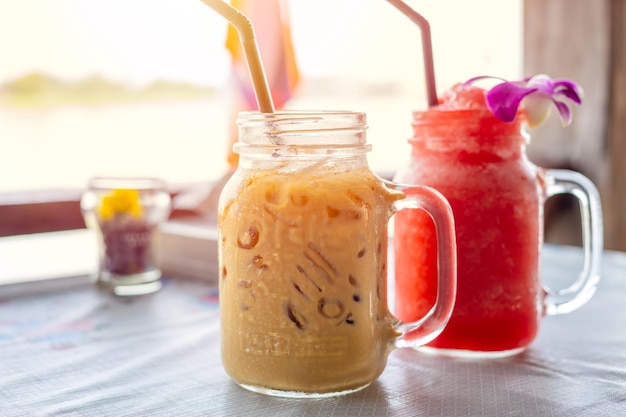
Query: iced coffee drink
[304, 256]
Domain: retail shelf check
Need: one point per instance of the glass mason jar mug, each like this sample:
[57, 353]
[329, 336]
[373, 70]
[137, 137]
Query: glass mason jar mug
[497, 195]
[303, 258]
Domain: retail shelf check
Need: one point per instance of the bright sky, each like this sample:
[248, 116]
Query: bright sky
[138, 41]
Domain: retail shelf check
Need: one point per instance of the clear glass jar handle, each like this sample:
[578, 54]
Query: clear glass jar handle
[559, 181]
[422, 331]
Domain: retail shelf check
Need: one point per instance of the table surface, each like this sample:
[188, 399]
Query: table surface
[80, 352]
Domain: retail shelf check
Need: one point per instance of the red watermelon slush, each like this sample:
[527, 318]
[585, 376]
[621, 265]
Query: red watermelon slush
[479, 164]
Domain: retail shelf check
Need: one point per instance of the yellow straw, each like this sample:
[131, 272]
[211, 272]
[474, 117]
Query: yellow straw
[253, 58]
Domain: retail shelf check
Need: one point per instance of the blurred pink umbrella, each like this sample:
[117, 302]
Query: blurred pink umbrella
[270, 19]
[271, 24]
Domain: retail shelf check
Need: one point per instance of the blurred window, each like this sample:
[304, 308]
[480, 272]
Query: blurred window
[144, 88]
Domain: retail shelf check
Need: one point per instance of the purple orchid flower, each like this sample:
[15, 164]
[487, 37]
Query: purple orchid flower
[534, 94]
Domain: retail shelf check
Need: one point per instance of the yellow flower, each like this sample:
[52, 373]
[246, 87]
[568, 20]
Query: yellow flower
[120, 201]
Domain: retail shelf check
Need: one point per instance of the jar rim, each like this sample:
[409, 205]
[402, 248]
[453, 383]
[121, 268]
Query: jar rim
[249, 116]
[433, 114]
[438, 123]
[302, 128]
[314, 120]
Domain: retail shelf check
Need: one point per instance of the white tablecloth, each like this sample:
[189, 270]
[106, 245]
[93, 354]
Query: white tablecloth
[80, 352]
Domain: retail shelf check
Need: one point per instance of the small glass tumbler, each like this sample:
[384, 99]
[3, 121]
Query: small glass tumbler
[124, 213]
